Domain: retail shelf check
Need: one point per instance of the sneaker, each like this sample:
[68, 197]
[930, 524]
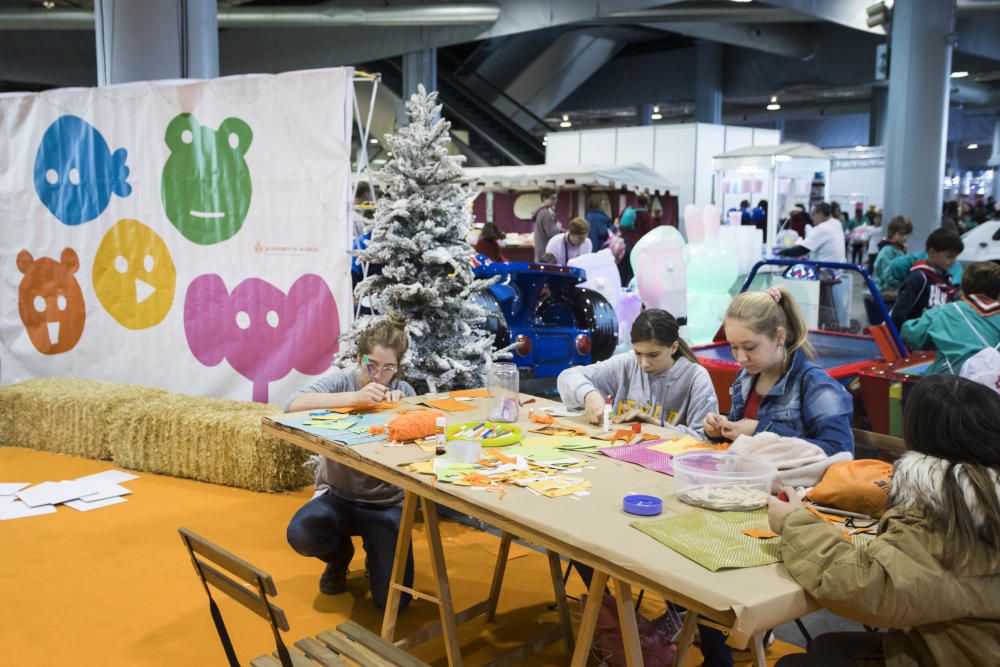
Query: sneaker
[334, 580]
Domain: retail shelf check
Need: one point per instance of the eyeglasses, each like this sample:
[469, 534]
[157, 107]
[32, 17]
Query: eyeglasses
[378, 369]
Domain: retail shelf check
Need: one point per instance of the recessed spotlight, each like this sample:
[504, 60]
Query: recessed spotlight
[373, 140]
[773, 106]
[972, 147]
[959, 75]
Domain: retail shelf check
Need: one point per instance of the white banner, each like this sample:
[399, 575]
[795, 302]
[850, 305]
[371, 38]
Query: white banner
[191, 235]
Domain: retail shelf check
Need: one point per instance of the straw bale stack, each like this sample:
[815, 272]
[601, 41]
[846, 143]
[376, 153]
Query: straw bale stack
[152, 430]
[63, 415]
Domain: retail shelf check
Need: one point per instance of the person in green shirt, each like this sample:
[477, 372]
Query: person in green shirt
[961, 329]
[893, 246]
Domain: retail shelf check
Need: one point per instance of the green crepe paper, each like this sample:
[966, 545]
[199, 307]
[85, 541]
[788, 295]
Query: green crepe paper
[714, 539]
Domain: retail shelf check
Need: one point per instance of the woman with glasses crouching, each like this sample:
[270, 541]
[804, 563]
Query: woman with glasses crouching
[348, 502]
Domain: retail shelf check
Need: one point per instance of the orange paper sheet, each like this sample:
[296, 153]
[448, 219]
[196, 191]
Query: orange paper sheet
[449, 405]
[470, 393]
[759, 533]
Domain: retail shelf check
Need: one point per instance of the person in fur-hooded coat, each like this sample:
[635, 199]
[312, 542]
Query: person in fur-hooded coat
[931, 574]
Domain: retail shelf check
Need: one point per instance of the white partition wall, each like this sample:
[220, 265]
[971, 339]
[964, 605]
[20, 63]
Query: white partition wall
[681, 153]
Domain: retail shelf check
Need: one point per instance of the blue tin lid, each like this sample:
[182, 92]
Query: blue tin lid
[642, 505]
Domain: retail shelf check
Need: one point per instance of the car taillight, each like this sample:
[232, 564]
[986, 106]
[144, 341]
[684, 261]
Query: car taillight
[522, 345]
[583, 344]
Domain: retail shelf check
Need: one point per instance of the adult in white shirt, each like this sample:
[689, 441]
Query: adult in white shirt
[572, 243]
[825, 242]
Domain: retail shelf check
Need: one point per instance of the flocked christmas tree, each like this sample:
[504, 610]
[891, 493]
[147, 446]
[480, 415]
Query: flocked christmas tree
[418, 238]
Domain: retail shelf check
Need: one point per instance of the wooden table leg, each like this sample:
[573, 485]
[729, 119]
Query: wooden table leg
[555, 571]
[595, 596]
[629, 626]
[686, 636]
[403, 542]
[758, 651]
[449, 630]
[498, 572]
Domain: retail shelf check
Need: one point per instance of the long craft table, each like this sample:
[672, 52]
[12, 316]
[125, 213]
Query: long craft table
[592, 529]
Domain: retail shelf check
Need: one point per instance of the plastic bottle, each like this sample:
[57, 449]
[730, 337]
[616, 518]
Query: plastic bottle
[440, 424]
[607, 414]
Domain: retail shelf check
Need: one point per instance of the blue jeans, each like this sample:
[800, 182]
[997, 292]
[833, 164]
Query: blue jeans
[323, 527]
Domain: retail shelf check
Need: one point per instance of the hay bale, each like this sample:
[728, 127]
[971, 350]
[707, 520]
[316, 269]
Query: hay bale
[212, 440]
[153, 430]
[65, 415]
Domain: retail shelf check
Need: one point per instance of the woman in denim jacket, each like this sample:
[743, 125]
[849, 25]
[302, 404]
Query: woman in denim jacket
[778, 390]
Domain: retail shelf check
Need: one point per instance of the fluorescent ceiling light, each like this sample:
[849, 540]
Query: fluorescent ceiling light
[565, 121]
[959, 75]
[373, 140]
[656, 116]
[972, 147]
[773, 106]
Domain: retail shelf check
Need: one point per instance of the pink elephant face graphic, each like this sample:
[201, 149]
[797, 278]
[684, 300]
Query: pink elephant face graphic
[259, 330]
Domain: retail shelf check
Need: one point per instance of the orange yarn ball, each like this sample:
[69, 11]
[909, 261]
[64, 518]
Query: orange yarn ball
[413, 425]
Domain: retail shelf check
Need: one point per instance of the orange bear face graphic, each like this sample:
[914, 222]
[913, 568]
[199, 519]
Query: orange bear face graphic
[50, 301]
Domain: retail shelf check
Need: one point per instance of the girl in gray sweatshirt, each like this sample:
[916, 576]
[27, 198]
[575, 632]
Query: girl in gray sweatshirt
[659, 382]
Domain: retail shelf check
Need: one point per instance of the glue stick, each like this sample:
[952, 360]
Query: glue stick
[439, 436]
[607, 413]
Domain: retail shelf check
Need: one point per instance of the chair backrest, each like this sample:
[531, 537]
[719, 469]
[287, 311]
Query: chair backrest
[252, 594]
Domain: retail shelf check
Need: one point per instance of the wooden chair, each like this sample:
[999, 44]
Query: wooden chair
[348, 644]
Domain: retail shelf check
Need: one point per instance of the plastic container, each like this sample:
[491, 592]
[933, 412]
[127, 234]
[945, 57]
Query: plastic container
[503, 385]
[642, 505]
[464, 451]
[723, 481]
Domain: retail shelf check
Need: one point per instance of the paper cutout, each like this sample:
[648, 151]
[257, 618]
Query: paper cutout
[686, 444]
[449, 405]
[759, 533]
[470, 393]
[363, 410]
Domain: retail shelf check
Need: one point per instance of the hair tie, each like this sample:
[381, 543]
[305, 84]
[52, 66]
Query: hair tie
[775, 293]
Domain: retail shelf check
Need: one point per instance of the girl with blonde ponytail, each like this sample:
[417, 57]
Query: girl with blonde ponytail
[778, 388]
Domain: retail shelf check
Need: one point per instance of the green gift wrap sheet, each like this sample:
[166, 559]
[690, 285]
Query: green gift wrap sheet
[714, 539]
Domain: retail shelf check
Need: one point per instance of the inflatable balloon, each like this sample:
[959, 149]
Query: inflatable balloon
[663, 232]
[711, 272]
[602, 273]
[629, 307]
[693, 226]
[710, 223]
[661, 278]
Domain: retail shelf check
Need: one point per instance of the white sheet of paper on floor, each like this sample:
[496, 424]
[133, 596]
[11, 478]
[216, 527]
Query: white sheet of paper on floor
[84, 506]
[20, 510]
[105, 491]
[53, 493]
[108, 477]
[10, 488]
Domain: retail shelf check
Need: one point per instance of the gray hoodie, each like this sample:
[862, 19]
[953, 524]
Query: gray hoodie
[343, 481]
[680, 396]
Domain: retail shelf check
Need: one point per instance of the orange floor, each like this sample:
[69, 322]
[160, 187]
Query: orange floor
[115, 586]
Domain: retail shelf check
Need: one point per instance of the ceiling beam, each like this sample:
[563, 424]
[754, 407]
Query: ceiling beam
[782, 40]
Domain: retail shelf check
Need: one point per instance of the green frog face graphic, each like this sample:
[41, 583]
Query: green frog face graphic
[206, 184]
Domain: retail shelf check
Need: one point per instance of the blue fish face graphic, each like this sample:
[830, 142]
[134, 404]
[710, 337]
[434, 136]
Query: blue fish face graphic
[76, 172]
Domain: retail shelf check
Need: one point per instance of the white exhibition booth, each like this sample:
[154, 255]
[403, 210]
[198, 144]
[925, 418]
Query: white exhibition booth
[783, 174]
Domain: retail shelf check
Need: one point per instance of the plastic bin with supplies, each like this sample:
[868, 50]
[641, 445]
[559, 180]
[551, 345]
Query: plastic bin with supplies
[723, 481]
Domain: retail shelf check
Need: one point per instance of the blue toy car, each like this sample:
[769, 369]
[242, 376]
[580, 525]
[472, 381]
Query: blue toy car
[552, 323]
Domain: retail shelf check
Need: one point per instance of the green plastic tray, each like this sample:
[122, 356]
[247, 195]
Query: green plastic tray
[511, 437]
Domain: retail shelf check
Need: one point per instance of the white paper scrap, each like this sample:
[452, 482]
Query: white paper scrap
[21, 511]
[105, 491]
[108, 477]
[10, 488]
[84, 506]
[53, 493]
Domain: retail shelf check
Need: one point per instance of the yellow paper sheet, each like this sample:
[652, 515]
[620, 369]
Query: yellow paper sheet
[685, 444]
[560, 486]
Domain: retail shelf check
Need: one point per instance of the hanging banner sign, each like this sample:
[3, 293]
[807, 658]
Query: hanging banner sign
[191, 235]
